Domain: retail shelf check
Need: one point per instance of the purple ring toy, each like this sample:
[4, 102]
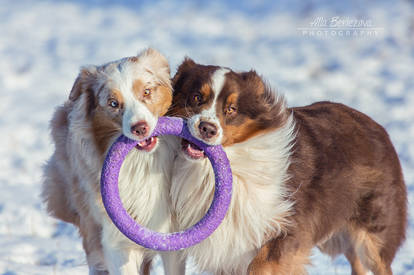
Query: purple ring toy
[166, 241]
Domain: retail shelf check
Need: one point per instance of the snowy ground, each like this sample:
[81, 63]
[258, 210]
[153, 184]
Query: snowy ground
[43, 43]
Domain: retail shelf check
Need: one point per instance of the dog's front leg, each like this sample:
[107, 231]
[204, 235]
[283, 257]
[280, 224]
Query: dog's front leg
[121, 256]
[173, 263]
[123, 261]
[282, 255]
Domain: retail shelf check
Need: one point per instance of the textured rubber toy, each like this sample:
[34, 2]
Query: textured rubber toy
[166, 241]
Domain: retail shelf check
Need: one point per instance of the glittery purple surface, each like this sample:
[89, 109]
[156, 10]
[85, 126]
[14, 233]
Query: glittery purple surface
[166, 241]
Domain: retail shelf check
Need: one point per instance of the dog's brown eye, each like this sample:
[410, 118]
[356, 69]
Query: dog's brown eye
[197, 98]
[113, 103]
[147, 92]
[230, 110]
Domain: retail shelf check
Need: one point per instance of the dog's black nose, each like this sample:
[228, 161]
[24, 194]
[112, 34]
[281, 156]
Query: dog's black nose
[207, 129]
[140, 129]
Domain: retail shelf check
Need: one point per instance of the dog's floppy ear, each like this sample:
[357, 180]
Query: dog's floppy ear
[272, 105]
[182, 70]
[83, 82]
[157, 64]
[254, 81]
[84, 85]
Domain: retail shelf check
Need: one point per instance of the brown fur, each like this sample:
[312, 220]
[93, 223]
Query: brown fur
[191, 80]
[159, 105]
[104, 127]
[344, 175]
[138, 89]
[156, 104]
[349, 191]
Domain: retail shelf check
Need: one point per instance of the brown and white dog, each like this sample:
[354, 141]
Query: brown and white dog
[122, 97]
[322, 175]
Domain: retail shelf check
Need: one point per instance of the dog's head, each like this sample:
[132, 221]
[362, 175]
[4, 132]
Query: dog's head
[222, 106]
[125, 96]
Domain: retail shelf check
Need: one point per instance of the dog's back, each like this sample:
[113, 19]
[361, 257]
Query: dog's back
[56, 189]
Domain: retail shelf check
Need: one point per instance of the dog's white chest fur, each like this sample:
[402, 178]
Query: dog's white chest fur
[143, 184]
[259, 205]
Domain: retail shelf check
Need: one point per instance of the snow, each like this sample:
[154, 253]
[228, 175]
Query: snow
[43, 44]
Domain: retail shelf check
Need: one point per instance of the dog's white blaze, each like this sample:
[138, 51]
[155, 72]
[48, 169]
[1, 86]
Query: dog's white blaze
[217, 82]
[136, 111]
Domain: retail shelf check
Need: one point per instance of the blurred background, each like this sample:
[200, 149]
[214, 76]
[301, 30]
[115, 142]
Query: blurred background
[360, 53]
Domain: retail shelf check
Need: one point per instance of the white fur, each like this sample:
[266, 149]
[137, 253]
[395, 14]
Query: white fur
[144, 178]
[209, 115]
[143, 187]
[259, 205]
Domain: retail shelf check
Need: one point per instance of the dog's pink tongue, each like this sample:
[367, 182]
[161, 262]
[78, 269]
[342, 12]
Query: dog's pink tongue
[194, 152]
[144, 143]
[147, 145]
